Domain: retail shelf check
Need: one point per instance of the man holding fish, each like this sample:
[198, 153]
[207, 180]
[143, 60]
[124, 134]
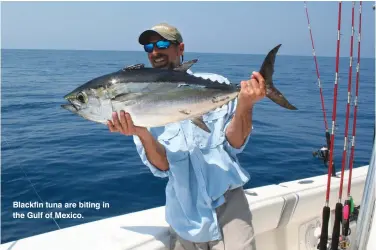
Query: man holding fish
[187, 127]
[205, 203]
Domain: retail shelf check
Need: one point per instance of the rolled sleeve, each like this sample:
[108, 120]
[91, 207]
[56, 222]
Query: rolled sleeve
[227, 146]
[141, 151]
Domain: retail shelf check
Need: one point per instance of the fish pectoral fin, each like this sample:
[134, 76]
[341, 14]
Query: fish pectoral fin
[185, 111]
[134, 66]
[199, 122]
[186, 65]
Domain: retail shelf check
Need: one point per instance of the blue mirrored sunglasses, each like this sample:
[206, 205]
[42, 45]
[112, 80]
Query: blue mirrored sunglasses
[161, 44]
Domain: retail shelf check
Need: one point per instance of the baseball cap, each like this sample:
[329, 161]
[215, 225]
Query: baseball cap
[165, 30]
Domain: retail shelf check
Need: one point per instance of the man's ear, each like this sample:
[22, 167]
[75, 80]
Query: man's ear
[181, 49]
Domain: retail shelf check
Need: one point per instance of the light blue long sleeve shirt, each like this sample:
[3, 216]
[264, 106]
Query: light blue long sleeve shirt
[202, 167]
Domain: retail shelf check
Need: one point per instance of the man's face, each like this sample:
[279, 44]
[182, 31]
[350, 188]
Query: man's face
[165, 58]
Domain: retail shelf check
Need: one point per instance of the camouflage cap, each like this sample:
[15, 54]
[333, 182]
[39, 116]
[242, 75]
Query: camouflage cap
[165, 30]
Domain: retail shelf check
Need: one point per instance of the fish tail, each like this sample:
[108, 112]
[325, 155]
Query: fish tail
[267, 70]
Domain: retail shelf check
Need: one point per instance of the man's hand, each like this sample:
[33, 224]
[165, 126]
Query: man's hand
[155, 152]
[240, 126]
[125, 125]
[251, 92]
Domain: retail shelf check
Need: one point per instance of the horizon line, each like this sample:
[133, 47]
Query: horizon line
[226, 53]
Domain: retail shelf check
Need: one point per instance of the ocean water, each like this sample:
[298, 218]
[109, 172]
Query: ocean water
[69, 159]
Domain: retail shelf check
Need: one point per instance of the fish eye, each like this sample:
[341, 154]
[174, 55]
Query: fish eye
[82, 97]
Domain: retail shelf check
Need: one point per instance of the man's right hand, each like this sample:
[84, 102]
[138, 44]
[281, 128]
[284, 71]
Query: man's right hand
[124, 125]
[155, 152]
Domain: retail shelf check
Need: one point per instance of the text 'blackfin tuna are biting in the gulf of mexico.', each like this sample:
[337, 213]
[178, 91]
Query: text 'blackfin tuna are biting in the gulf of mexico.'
[56, 210]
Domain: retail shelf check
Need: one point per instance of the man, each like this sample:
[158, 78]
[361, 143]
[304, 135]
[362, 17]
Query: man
[205, 203]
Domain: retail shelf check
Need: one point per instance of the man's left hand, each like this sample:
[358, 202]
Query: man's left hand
[251, 92]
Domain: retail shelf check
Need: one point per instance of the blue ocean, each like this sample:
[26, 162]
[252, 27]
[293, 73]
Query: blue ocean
[68, 159]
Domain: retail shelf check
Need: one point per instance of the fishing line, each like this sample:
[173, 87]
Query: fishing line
[32, 185]
[326, 209]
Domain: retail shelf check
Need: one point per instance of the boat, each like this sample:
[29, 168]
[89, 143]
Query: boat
[285, 216]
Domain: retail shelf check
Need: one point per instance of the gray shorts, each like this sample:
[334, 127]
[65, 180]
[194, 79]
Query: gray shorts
[235, 221]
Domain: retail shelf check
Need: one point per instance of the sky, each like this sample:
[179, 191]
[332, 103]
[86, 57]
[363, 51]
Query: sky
[214, 27]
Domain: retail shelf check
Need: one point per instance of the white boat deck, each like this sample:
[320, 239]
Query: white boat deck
[284, 217]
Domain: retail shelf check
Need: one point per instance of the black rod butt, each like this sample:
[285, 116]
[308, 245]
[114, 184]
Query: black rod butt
[337, 226]
[324, 228]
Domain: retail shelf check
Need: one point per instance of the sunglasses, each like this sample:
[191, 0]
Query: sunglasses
[161, 44]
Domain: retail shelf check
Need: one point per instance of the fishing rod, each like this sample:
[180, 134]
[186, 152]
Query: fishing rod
[326, 208]
[339, 206]
[349, 204]
[324, 152]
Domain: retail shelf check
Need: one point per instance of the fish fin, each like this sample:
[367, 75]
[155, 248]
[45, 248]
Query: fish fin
[267, 67]
[276, 96]
[186, 65]
[267, 70]
[185, 111]
[134, 66]
[199, 122]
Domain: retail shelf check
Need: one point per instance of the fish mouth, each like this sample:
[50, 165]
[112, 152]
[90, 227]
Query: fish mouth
[75, 110]
[70, 106]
